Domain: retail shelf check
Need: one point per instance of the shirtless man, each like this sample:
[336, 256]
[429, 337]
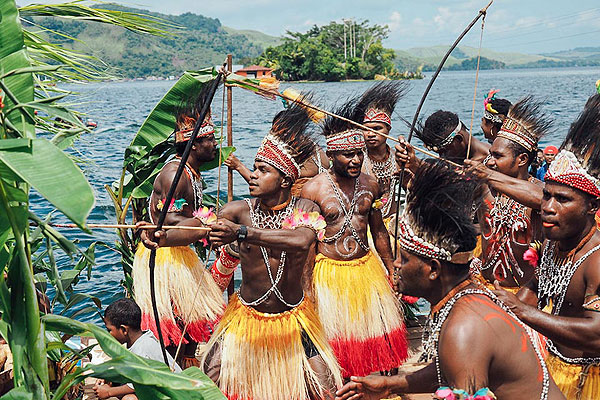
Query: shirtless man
[355, 301]
[569, 268]
[375, 109]
[186, 295]
[507, 226]
[476, 345]
[270, 343]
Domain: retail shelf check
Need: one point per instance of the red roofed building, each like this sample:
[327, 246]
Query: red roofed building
[255, 71]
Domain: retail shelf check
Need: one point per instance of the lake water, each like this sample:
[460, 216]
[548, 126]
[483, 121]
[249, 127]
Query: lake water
[120, 109]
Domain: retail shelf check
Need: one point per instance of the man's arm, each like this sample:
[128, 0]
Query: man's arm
[292, 240]
[234, 163]
[381, 238]
[577, 332]
[107, 391]
[523, 191]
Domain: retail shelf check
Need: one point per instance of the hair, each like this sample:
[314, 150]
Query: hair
[332, 125]
[291, 127]
[437, 127]
[124, 312]
[439, 206]
[528, 112]
[583, 138]
[502, 106]
[381, 96]
[188, 111]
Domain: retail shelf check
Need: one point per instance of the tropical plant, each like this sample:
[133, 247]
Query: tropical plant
[28, 104]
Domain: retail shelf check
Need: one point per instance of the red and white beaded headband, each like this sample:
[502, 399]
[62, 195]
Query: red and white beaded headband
[351, 139]
[415, 244]
[274, 152]
[207, 128]
[567, 169]
[375, 115]
[515, 132]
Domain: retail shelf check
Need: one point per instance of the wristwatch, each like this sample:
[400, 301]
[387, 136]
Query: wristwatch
[242, 233]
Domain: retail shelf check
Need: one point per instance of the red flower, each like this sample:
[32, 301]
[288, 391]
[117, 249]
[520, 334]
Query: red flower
[409, 299]
[532, 257]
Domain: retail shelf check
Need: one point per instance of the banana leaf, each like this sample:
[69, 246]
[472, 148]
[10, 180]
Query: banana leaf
[151, 378]
[52, 173]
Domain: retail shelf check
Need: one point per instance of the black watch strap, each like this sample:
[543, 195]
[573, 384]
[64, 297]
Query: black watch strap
[242, 233]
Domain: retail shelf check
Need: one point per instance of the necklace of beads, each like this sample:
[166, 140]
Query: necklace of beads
[272, 220]
[348, 214]
[384, 173]
[434, 327]
[554, 279]
[505, 213]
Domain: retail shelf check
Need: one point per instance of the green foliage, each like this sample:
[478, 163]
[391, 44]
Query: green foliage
[319, 53]
[471, 63]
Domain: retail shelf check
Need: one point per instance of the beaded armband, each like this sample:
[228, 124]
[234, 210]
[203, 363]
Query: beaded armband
[592, 303]
[300, 218]
[379, 203]
[223, 268]
[175, 206]
[445, 393]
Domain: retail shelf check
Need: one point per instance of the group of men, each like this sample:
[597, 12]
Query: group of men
[317, 315]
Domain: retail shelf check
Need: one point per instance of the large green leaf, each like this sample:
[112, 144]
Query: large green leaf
[54, 175]
[18, 88]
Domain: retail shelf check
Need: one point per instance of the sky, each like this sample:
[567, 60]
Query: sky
[525, 26]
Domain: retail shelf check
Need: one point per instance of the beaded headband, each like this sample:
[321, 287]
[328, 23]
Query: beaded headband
[374, 115]
[515, 132]
[567, 169]
[207, 128]
[274, 152]
[351, 139]
[415, 244]
[493, 117]
[444, 143]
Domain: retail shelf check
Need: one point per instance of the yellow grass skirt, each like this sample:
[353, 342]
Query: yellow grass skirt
[262, 356]
[185, 294]
[575, 381]
[361, 315]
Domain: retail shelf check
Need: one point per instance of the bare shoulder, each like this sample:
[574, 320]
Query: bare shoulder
[307, 205]
[370, 182]
[591, 265]
[311, 189]
[166, 174]
[233, 210]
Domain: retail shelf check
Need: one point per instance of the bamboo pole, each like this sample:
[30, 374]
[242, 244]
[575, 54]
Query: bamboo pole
[231, 287]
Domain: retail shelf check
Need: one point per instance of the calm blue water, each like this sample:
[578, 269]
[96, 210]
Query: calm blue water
[120, 109]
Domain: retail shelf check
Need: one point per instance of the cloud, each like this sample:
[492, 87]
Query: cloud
[395, 22]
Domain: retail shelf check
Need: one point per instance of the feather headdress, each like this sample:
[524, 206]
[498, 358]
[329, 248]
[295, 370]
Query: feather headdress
[288, 145]
[378, 102]
[526, 123]
[578, 162]
[342, 135]
[437, 220]
[187, 114]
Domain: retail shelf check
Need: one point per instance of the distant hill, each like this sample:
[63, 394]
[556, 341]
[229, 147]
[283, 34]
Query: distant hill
[464, 57]
[201, 42]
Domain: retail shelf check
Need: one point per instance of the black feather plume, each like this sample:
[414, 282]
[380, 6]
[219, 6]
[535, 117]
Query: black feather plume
[381, 96]
[333, 125]
[528, 112]
[583, 138]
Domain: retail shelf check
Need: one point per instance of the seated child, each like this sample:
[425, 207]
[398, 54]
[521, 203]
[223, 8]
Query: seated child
[123, 319]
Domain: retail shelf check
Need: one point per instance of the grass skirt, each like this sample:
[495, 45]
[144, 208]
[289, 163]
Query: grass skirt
[575, 381]
[362, 318]
[262, 356]
[185, 293]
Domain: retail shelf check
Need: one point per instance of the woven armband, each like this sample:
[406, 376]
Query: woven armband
[445, 393]
[300, 218]
[175, 206]
[592, 303]
[223, 268]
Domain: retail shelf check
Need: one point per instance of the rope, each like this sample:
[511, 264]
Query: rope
[476, 82]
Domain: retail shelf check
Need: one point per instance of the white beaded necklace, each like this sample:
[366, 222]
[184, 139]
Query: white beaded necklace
[434, 327]
[263, 220]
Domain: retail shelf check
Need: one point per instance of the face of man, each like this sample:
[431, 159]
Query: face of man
[116, 332]
[266, 180]
[549, 158]
[456, 150]
[374, 140]
[414, 275]
[347, 164]
[502, 158]
[565, 211]
[487, 128]
[206, 148]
